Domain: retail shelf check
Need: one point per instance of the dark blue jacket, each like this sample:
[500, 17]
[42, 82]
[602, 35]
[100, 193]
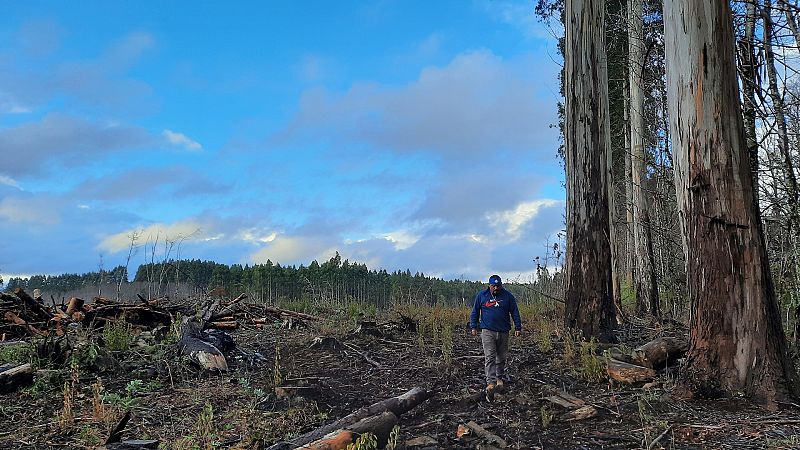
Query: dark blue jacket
[494, 312]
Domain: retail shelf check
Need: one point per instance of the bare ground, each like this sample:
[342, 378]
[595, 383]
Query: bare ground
[184, 408]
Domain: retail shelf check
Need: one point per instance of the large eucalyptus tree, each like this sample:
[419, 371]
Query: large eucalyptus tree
[737, 343]
[589, 288]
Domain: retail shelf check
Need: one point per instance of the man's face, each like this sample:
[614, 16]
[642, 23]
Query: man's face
[495, 288]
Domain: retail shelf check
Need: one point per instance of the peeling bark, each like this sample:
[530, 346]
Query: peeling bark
[737, 343]
[589, 287]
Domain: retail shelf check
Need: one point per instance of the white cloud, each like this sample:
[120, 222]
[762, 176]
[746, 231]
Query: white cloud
[8, 181]
[256, 236]
[181, 140]
[160, 231]
[402, 239]
[295, 250]
[511, 222]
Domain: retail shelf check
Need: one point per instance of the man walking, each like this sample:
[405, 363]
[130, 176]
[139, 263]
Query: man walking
[494, 307]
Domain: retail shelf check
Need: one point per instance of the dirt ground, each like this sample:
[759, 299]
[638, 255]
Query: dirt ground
[317, 383]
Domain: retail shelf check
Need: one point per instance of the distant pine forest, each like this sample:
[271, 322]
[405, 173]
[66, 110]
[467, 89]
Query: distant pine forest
[334, 281]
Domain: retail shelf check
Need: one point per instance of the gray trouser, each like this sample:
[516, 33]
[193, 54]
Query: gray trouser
[495, 353]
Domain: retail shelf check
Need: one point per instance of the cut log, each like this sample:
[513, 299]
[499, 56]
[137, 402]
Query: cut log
[11, 317]
[224, 325]
[396, 405]
[203, 353]
[75, 304]
[287, 313]
[380, 425]
[660, 353]
[584, 412]
[228, 309]
[566, 400]
[12, 377]
[40, 313]
[486, 435]
[629, 373]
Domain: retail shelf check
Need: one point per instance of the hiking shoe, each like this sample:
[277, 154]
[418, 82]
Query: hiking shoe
[490, 393]
[500, 382]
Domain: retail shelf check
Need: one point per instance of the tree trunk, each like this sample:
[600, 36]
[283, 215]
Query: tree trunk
[645, 276]
[789, 12]
[737, 343]
[748, 73]
[589, 288]
[780, 122]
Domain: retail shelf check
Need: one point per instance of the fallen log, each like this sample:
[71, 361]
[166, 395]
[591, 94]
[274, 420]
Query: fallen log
[231, 325]
[228, 308]
[584, 412]
[39, 311]
[396, 405]
[75, 304]
[287, 313]
[12, 377]
[660, 352]
[11, 317]
[380, 425]
[629, 373]
[203, 353]
[486, 435]
[565, 400]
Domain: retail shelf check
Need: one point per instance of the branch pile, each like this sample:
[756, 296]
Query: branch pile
[23, 315]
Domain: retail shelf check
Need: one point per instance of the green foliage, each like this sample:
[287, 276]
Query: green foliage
[134, 389]
[118, 335]
[543, 335]
[85, 353]
[205, 427]
[43, 384]
[571, 339]
[394, 437]
[367, 441]
[447, 344]
[175, 331]
[627, 295]
[546, 415]
[17, 353]
[89, 436]
[592, 367]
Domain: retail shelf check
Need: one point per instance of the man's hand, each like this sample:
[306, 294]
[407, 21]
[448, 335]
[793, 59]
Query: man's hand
[517, 333]
[474, 332]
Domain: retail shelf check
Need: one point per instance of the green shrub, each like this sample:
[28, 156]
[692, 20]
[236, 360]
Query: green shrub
[118, 335]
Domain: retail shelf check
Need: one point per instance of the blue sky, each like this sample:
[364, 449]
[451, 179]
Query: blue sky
[402, 134]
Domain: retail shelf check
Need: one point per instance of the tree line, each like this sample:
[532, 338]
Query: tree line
[336, 281]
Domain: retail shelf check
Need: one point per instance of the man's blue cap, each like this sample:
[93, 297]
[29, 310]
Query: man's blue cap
[495, 279]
